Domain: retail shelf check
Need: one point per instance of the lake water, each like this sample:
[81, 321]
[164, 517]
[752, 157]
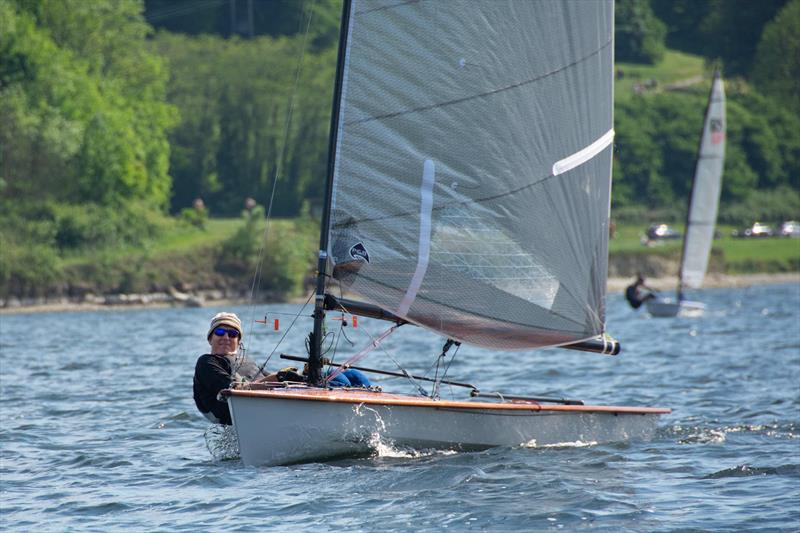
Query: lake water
[98, 431]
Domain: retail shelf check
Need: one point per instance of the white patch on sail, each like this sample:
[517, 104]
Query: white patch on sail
[423, 255]
[582, 156]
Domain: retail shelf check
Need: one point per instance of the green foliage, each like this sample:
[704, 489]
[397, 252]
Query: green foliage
[776, 70]
[82, 103]
[275, 18]
[27, 270]
[729, 255]
[684, 19]
[235, 98]
[282, 263]
[37, 237]
[767, 137]
[726, 30]
[195, 217]
[656, 148]
[773, 206]
[732, 30]
[241, 252]
[639, 34]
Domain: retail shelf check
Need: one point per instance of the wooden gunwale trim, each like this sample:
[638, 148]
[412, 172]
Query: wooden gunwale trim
[380, 398]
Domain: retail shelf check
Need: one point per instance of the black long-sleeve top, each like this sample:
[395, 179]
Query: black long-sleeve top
[213, 373]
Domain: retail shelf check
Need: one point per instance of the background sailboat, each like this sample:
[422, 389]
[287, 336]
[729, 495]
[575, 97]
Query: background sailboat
[702, 212]
[468, 193]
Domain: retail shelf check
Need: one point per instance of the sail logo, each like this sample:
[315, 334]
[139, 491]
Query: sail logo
[359, 251]
[717, 131]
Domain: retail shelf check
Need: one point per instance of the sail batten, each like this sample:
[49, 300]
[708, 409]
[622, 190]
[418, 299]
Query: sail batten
[474, 96]
[506, 107]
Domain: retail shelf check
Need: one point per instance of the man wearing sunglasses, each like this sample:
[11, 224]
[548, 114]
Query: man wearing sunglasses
[216, 371]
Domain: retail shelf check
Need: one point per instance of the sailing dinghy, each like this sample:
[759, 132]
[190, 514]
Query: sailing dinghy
[467, 193]
[702, 212]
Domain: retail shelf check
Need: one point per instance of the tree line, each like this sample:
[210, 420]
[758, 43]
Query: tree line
[111, 109]
[757, 48]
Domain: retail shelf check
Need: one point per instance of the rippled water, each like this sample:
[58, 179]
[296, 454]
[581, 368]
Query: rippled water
[98, 431]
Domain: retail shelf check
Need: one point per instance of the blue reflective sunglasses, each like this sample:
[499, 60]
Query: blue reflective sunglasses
[232, 333]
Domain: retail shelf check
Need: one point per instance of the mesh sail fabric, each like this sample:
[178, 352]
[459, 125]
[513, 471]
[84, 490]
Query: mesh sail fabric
[473, 159]
[705, 190]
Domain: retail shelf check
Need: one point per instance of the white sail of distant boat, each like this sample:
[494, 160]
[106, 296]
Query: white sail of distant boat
[468, 193]
[702, 212]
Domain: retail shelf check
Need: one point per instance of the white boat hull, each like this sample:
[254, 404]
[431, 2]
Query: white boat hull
[282, 426]
[669, 308]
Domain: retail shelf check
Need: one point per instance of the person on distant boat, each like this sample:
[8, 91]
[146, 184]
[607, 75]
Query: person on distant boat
[637, 293]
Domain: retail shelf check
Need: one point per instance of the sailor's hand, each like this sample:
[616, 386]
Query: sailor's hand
[290, 374]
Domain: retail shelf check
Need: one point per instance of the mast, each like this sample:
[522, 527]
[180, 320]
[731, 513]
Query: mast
[694, 184]
[315, 338]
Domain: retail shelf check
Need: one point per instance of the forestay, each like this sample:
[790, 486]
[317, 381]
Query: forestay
[472, 171]
[706, 188]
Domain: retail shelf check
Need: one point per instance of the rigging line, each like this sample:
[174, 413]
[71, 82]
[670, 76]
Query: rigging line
[178, 10]
[337, 335]
[374, 344]
[485, 94]
[383, 8]
[405, 373]
[437, 362]
[447, 368]
[259, 263]
[297, 316]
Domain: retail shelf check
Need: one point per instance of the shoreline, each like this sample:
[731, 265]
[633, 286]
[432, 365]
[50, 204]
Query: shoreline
[216, 299]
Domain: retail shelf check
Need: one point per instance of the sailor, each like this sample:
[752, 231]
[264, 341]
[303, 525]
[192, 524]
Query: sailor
[637, 293]
[224, 365]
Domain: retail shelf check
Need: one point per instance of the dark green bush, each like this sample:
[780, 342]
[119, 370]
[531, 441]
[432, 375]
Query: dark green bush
[36, 236]
[27, 270]
[281, 266]
[773, 206]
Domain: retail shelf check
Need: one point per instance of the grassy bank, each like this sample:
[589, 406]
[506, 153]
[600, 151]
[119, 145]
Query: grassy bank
[676, 69]
[189, 257]
[220, 255]
[223, 256]
[729, 255]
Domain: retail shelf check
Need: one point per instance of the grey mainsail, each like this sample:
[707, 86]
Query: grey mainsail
[706, 187]
[472, 168]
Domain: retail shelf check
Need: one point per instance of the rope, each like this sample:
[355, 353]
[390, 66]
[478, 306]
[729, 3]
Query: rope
[300, 312]
[259, 263]
[374, 344]
[405, 373]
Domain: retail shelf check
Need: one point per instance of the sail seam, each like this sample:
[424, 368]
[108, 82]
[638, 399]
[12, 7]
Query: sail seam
[488, 93]
[423, 255]
[383, 8]
[582, 156]
[493, 197]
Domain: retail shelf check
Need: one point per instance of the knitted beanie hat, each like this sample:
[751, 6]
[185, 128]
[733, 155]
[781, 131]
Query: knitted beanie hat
[225, 319]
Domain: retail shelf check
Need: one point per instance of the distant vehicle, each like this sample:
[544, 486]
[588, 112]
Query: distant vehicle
[790, 228]
[661, 231]
[756, 230]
